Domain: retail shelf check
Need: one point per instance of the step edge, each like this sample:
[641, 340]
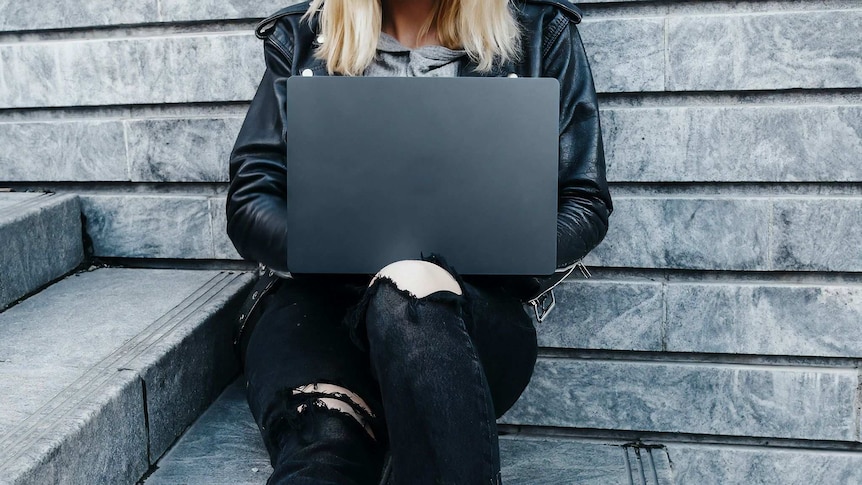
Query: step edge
[95, 397]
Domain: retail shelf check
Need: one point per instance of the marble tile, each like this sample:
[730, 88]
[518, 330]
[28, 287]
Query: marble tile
[227, 67]
[686, 233]
[98, 310]
[181, 150]
[10, 200]
[192, 361]
[595, 314]
[60, 14]
[140, 70]
[149, 226]
[814, 234]
[129, 334]
[26, 387]
[223, 246]
[29, 76]
[63, 151]
[224, 444]
[765, 51]
[714, 399]
[178, 10]
[41, 241]
[158, 226]
[548, 461]
[730, 144]
[808, 320]
[648, 144]
[55, 14]
[100, 438]
[766, 466]
[760, 7]
[626, 55]
[782, 144]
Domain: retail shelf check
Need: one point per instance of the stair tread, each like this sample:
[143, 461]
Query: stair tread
[224, 446]
[74, 358]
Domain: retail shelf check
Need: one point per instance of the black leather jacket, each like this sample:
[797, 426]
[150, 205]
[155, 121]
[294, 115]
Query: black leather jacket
[256, 200]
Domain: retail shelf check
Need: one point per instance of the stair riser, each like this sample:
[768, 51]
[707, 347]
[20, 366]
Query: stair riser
[40, 243]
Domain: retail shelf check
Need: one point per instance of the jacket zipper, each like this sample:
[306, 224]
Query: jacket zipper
[538, 304]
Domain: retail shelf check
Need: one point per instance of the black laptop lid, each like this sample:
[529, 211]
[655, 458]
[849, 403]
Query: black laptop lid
[387, 168]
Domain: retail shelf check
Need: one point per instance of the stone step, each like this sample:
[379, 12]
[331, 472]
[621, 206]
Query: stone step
[727, 317]
[40, 241]
[723, 399]
[642, 144]
[641, 54]
[224, 447]
[683, 232]
[101, 371]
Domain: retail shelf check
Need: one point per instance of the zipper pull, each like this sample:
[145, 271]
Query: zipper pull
[584, 271]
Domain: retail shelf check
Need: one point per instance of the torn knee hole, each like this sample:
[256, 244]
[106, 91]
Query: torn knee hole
[335, 398]
[336, 391]
[419, 278]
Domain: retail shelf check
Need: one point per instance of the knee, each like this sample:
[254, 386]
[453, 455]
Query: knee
[418, 299]
[419, 278]
[418, 292]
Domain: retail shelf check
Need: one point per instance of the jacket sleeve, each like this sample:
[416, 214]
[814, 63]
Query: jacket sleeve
[256, 203]
[584, 200]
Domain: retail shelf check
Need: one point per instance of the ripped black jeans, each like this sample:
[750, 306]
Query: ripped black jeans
[435, 371]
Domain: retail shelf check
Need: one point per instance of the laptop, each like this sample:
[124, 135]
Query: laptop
[381, 169]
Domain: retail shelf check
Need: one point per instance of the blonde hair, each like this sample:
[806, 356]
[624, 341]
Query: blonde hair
[485, 29]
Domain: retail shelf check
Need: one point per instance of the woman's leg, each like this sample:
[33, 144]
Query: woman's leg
[439, 409]
[311, 391]
[504, 336]
[299, 341]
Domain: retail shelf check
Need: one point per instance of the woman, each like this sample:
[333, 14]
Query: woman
[416, 362]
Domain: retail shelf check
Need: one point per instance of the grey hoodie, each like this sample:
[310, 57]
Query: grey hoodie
[394, 59]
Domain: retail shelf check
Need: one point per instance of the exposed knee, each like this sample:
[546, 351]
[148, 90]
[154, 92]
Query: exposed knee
[336, 398]
[420, 278]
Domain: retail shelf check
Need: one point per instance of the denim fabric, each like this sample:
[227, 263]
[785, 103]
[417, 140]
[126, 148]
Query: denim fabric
[435, 371]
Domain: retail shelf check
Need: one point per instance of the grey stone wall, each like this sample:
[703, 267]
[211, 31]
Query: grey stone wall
[723, 319]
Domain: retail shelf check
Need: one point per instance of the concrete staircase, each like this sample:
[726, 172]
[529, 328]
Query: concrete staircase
[224, 447]
[104, 368]
[717, 342]
[105, 373]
